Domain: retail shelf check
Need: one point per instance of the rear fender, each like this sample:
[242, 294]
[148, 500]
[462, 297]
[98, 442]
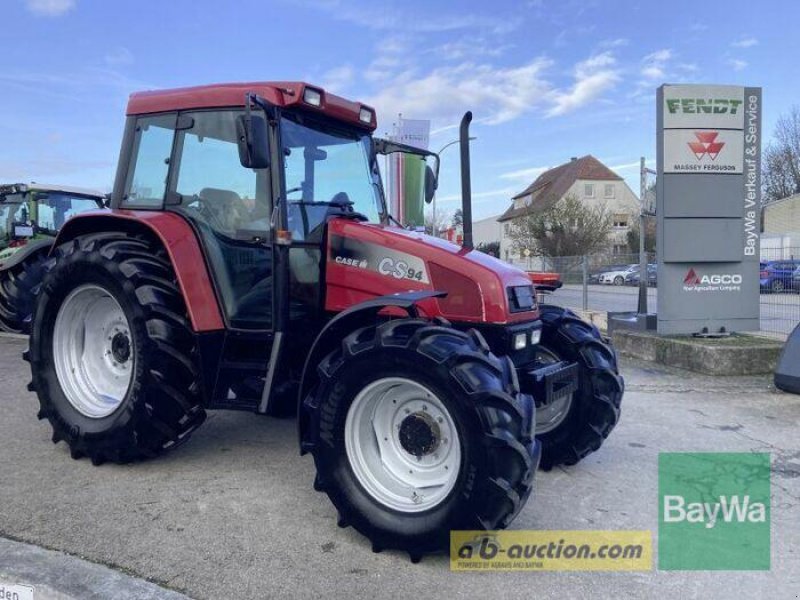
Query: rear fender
[180, 242]
[42, 246]
[359, 315]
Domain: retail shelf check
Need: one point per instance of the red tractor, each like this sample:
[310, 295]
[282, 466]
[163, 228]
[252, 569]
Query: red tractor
[248, 262]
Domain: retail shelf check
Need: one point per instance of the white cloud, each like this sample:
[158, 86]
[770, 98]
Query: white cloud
[506, 192]
[387, 16]
[747, 42]
[654, 67]
[659, 56]
[593, 76]
[500, 94]
[119, 56]
[737, 64]
[528, 174]
[615, 43]
[338, 79]
[50, 8]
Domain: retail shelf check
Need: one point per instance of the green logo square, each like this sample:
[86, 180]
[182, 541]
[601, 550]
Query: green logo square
[714, 511]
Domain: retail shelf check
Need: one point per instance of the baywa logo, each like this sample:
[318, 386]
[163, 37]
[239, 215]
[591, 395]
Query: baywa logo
[703, 106]
[714, 511]
[706, 145]
[724, 282]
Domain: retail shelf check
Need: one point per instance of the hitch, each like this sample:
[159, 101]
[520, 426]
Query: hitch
[549, 383]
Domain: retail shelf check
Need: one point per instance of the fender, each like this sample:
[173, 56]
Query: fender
[29, 249]
[356, 316]
[183, 249]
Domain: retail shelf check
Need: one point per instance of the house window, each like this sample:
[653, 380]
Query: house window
[620, 221]
[610, 190]
[506, 229]
[619, 249]
[588, 190]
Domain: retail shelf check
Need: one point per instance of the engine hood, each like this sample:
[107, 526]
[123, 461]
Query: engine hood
[366, 260]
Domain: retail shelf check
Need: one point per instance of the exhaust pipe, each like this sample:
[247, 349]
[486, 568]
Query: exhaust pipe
[466, 185]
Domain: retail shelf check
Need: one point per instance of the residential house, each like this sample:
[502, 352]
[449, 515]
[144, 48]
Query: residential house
[587, 179]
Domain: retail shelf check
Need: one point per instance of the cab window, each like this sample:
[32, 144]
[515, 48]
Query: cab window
[146, 182]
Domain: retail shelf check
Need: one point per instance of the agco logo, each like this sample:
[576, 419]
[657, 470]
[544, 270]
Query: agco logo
[699, 106]
[706, 144]
[721, 281]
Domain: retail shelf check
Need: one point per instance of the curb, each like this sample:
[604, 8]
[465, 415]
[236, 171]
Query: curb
[59, 576]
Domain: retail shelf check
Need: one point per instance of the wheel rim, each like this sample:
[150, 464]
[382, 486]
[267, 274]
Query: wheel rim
[93, 351]
[402, 445]
[550, 416]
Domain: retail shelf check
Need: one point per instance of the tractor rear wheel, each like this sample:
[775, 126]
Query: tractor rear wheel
[17, 292]
[112, 355]
[417, 430]
[577, 425]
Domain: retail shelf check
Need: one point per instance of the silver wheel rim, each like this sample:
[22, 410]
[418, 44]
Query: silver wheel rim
[550, 416]
[402, 445]
[93, 351]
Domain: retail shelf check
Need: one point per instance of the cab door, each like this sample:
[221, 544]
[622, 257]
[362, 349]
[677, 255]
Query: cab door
[230, 207]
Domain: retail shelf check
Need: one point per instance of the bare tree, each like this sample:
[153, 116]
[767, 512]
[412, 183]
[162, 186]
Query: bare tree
[632, 236]
[781, 161]
[442, 222]
[567, 227]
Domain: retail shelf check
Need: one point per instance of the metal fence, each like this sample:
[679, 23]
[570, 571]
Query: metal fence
[606, 282]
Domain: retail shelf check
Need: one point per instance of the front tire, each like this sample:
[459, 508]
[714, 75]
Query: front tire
[410, 396]
[112, 354]
[619, 280]
[17, 292]
[574, 429]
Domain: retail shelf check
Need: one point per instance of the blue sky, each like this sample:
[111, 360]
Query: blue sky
[545, 79]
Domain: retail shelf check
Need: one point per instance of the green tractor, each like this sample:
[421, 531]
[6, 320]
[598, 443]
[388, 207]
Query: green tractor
[30, 218]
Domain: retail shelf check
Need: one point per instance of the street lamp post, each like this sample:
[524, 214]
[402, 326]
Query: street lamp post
[442, 149]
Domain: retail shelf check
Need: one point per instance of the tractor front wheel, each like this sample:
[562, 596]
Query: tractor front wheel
[576, 425]
[417, 430]
[112, 355]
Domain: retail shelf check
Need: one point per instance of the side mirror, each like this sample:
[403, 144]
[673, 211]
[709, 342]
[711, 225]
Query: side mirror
[251, 135]
[430, 184]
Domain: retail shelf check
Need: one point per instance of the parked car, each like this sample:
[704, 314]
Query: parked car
[594, 275]
[618, 277]
[633, 277]
[778, 275]
[796, 279]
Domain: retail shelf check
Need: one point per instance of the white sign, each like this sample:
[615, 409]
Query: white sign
[15, 592]
[703, 151]
[690, 106]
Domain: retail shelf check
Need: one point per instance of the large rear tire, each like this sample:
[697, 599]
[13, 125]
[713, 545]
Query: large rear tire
[18, 292]
[113, 357]
[417, 430]
[574, 429]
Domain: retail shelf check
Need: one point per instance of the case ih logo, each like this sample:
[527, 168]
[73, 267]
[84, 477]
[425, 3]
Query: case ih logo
[709, 283]
[706, 144]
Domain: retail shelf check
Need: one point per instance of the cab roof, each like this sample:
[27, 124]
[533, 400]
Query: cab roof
[12, 188]
[224, 95]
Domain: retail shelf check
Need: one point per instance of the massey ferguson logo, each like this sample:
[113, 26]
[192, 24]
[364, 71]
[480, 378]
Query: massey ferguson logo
[724, 282]
[706, 144]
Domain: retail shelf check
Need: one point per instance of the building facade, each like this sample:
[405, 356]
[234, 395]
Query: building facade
[585, 178]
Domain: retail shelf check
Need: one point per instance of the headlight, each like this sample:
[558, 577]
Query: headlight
[536, 336]
[365, 115]
[312, 97]
[520, 340]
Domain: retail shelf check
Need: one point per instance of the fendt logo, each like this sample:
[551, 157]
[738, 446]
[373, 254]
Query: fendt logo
[700, 106]
[725, 282]
[706, 144]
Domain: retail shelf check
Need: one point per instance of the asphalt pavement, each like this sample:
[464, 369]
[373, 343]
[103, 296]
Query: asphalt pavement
[232, 513]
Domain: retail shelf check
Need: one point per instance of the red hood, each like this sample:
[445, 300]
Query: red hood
[366, 260]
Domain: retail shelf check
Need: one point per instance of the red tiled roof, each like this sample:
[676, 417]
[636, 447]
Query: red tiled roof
[551, 185]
